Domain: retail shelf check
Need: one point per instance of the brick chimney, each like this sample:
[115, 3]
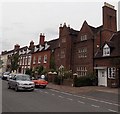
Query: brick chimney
[42, 39]
[31, 44]
[60, 30]
[109, 17]
[16, 47]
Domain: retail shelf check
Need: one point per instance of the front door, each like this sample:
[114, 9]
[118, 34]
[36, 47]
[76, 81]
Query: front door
[102, 77]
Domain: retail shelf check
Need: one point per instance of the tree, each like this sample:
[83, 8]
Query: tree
[28, 71]
[52, 62]
[14, 62]
[1, 63]
[40, 70]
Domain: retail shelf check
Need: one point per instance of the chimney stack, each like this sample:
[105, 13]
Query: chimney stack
[109, 17]
[16, 47]
[42, 39]
[31, 44]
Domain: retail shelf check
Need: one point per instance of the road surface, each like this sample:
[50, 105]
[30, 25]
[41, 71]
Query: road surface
[49, 100]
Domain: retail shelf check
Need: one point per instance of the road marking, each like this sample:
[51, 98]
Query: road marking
[46, 92]
[112, 110]
[92, 99]
[88, 98]
[105, 91]
[81, 102]
[66, 93]
[97, 100]
[95, 106]
[39, 90]
[109, 103]
[61, 96]
[54, 90]
[70, 99]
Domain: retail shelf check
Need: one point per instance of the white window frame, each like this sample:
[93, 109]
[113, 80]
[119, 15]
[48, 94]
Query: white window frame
[83, 37]
[39, 59]
[62, 53]
[29, 60]
[106, 50]
[111, 72]
[45, 58]
[82, 52]
[34, 60]
[81, 71]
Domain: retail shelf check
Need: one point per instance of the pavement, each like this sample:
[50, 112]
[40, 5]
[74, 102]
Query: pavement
[86, 89]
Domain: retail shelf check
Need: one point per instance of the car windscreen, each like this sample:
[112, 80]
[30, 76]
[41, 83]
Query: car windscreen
[23, 77]
[6, 73]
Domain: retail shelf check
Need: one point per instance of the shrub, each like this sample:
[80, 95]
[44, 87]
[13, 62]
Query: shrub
[88, 80]
[57, 80]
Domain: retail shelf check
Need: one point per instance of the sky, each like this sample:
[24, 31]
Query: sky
[22, 21]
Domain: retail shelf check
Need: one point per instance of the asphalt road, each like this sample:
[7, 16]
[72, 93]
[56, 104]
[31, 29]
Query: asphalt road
[49, 100]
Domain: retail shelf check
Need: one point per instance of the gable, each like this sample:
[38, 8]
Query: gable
[106, 46]
[85, 29]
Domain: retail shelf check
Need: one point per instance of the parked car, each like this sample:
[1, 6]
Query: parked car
[21, 82]
[5, 75]
[40, 82]
[10, 76]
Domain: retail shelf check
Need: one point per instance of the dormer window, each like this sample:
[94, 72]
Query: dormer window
[46, 46]
[106, 50]
[40, 48]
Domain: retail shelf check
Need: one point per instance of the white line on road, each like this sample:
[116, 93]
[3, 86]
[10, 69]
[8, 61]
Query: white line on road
[95, 106]
[60, 96]
[85, 97]
[79, 96]
[46, 92]
[112, 110]
[92, 99]
[109, 103]
[66, 93]
[97, 100]
[54, 90]
[39, 90]
[70, 99]
[81, 102]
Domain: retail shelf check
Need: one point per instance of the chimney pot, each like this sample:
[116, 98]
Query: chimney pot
[42, 39]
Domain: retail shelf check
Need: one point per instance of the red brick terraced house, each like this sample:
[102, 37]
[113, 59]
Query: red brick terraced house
[107, 62]
[24, 58]
[64, 51]
[81, 52]
[42, 53]
[91, 39]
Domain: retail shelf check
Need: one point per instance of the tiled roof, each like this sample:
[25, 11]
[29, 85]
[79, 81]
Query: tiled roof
[48, 45]
[95, 30]
[114, 45]
[73, 32]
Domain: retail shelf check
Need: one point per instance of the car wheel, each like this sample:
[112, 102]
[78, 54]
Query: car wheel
[16, 88]
[32, 90]
[9, 87]
[44, 87]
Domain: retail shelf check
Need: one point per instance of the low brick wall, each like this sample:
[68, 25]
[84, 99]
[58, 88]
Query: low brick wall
[68, 82]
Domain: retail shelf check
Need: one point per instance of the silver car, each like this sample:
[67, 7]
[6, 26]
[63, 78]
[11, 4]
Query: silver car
[5, 75]
[21, 82]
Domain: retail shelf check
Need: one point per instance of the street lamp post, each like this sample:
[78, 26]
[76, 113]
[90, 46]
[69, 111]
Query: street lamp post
[61, 73]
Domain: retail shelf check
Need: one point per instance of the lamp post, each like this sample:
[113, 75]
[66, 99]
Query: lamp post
[61, 73]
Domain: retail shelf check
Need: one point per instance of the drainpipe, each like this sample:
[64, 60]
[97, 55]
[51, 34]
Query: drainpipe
[100, 39]
[93, 52]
